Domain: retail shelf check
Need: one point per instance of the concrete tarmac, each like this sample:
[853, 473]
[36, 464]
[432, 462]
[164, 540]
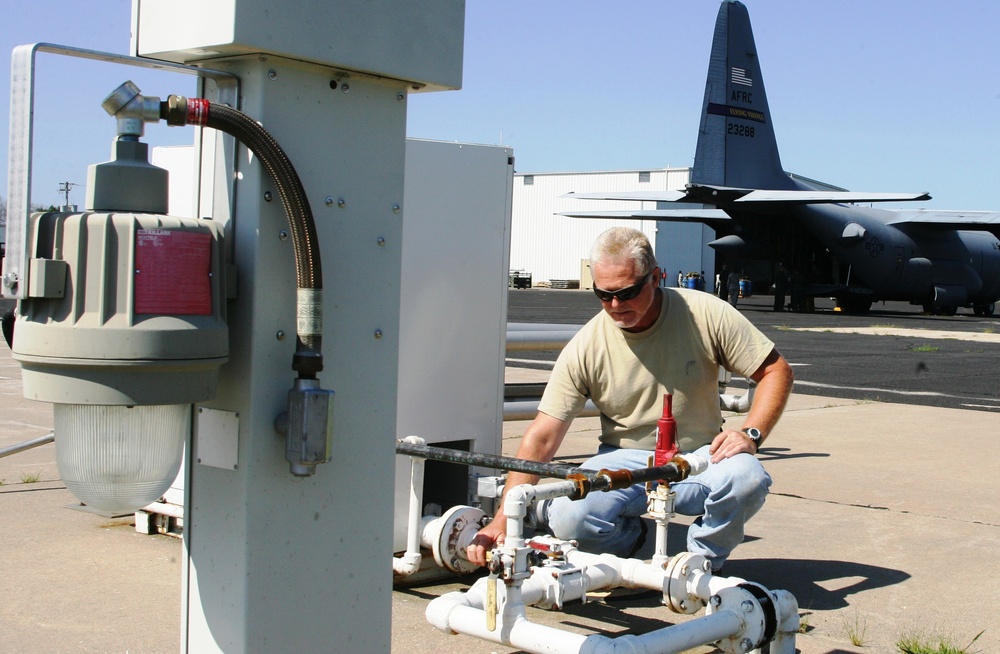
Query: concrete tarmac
[882, 521]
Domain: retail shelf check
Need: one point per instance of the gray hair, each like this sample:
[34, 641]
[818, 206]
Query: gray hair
[621, 245]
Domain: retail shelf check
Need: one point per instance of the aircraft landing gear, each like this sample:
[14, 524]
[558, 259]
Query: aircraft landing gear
[854, 305]
[984, 309]
[934, 310]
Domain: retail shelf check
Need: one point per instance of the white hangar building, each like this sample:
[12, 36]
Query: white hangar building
[550, 247]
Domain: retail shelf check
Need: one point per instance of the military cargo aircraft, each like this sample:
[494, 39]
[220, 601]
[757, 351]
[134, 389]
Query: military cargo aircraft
[830, 245]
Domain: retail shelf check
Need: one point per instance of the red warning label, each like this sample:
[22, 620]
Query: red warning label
[173, 272]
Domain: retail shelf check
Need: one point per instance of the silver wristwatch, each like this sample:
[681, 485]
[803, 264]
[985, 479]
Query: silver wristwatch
[755, 436]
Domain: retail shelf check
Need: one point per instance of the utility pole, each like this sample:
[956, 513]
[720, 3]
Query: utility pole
[64, 189]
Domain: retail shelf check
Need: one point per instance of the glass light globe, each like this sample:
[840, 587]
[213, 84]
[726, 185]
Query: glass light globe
[120, 458]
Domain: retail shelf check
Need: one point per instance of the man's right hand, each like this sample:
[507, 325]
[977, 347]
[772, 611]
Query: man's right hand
[488, 537]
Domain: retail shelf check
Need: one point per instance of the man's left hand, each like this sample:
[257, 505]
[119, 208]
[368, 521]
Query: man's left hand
[730, 443]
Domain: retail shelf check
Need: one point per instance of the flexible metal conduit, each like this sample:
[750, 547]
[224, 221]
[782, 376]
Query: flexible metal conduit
[179, 111]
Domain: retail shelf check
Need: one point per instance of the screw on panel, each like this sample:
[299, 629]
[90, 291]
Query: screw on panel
[280, 335]
[380, 241]
[272, 74]
[267, 196]
[395, 208]
[341, 202]
[283, 235]
[329, 201]
[378, 333]
[400, 96]
[345, 87]
[333, 84]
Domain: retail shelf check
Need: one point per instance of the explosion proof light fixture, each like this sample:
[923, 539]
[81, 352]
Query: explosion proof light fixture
[122, 324]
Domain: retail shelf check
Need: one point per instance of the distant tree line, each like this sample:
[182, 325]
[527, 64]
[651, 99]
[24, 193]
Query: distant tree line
[34, 207]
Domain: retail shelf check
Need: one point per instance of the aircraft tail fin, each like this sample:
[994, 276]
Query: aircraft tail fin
[736, 143]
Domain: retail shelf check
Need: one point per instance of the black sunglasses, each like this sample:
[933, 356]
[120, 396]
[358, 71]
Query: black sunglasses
[622, 294]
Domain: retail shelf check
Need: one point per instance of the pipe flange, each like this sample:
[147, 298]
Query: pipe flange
[744, 604]
[767, 606]
[456, 529]
[678, 581]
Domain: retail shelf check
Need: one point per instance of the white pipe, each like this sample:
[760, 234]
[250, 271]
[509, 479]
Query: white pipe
[738, 403]
[670, 639]
[527, 409]
[660, 505]
[787, 609]
[698, 464]
[600, 572]
[409, 563]
[515, 506]
[686, 582]
[451, 613]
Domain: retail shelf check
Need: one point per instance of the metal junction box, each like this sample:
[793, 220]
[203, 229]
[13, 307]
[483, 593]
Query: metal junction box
[419, 42]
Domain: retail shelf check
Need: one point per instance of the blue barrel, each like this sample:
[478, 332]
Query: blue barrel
[691, 282]
[745, 288]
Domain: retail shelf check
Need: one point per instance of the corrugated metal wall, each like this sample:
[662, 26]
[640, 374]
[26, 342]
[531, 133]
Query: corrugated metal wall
[550, 246]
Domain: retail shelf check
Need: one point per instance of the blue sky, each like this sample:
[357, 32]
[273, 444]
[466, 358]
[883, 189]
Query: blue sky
[885, 95]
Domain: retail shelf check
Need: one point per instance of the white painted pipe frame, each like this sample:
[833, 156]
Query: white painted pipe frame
[736, 616]
[409, 563]
[734, 630]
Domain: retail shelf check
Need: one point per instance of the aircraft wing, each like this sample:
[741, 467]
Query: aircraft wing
[727, 194]
[669, 215]
[705, 193]
[637, 196]
[970, 220]
[829, 197]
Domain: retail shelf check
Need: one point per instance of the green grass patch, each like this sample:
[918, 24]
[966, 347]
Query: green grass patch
[924, 348]
[857, 629]
[917, 645]
[30, 477]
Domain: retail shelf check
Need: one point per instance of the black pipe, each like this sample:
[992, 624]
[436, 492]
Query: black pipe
[448, 455]
[588, 481]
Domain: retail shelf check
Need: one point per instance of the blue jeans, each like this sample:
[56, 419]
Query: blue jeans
[726, 496]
